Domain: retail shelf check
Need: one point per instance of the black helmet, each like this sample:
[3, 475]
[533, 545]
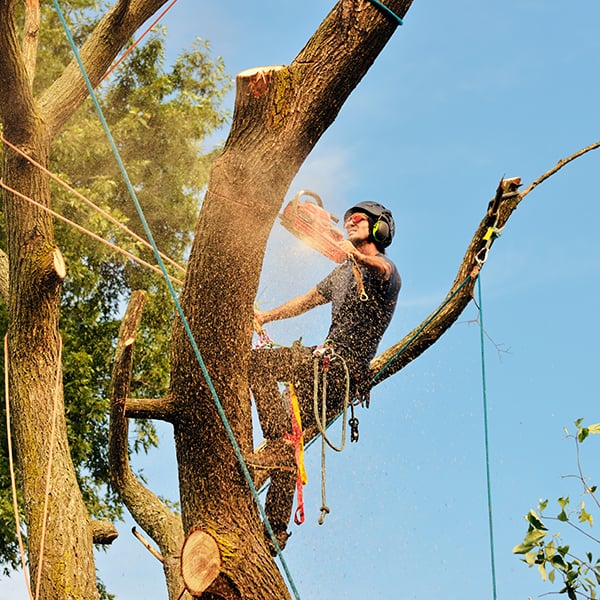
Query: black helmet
[381, 222]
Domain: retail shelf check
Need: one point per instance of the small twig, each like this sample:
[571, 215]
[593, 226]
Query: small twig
[559, 165]
[147, 545]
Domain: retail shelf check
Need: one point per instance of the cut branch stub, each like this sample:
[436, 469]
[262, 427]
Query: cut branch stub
[200, 561]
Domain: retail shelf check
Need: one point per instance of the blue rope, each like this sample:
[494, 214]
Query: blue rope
[388, 11]
[186, 326]
[487, 444]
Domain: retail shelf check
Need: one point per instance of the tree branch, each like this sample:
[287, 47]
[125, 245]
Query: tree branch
[431, 329]
[559, 165]
[17, 109]
[111, 33]
[104, 532]
[31, 37]
[146, 508]
[149, 408]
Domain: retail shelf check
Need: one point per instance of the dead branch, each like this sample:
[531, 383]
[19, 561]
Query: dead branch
[104, 532]
[431, 329]
[163, 526]
[559, 165]
[147, 545]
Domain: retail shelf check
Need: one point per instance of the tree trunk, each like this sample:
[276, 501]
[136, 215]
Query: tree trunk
[60, 532]
[61, 529]
[280, 113]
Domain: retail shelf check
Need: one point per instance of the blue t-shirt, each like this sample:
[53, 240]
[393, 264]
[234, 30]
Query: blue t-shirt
[357, 326]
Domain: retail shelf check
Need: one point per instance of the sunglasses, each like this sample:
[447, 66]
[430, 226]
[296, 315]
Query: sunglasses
[356, 218]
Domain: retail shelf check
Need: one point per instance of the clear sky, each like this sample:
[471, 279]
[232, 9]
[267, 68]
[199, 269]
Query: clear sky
[465, 92]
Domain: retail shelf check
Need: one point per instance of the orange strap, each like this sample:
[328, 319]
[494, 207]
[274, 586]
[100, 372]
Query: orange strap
[297, 438]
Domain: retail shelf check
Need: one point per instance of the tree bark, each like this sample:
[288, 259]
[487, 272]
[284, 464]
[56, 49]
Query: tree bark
[145, 507]
[60, 532]
[280, 114]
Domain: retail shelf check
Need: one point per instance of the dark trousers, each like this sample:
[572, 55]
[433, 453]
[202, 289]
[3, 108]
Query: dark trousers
[295, 365]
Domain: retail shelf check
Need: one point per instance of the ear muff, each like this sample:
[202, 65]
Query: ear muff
[381, 231]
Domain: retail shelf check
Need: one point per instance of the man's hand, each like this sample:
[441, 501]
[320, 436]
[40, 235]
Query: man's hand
[260, 318]
[349, 248]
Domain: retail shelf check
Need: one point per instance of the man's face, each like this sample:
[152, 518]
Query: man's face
[357, 227]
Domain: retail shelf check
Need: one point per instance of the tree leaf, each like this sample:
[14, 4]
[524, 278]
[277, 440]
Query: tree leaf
[535, 521]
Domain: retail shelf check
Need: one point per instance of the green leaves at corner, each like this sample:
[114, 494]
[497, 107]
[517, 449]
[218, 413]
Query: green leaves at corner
[584, 432]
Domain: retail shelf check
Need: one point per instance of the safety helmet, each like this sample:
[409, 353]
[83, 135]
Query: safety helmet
[381, 221]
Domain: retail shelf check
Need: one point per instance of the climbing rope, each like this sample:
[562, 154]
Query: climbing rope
[388, 11]
[87, 231]
[486, 436]
[184, 321]
[322, 361]
[91, 204]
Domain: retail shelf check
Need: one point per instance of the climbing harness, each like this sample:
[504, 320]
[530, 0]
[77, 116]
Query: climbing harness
[323, 356]
[312, 224]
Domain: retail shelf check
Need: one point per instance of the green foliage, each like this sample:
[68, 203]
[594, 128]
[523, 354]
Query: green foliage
[160, 118]
[579, 575]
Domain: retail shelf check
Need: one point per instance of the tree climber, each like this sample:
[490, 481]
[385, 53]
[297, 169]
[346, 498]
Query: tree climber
[363, 292]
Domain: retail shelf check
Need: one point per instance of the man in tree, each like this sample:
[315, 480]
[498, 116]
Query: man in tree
[363, 293]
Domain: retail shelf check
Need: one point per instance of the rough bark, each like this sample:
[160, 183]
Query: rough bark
[145, 507]
[63, 567]
[280, 113]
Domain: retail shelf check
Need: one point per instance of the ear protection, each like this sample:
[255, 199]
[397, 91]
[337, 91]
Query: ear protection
[381, 231]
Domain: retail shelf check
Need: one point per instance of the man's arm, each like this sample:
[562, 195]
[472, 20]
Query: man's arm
[292, 308]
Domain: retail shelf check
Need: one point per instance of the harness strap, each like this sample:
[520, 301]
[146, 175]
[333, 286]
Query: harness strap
[297, 438]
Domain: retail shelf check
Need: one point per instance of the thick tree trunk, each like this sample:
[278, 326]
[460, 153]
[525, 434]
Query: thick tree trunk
[60, 532]
[280, 114]
[60, 529]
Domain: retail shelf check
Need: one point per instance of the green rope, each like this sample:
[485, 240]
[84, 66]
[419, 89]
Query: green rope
[487, 444]
[388, 11]
[184, 321]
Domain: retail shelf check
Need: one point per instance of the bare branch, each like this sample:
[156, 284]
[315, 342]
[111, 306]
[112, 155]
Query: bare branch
[430, 330]
[559, 165]
[146, 508]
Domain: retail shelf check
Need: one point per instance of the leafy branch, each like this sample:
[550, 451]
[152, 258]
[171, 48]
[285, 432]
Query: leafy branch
[580, 576]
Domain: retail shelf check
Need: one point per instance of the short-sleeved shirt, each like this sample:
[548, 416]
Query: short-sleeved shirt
[357, 326]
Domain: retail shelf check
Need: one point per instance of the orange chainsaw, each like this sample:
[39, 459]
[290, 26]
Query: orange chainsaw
[313, 225]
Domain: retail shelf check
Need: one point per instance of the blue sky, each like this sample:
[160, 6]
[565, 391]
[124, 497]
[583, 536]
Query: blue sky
[464, 93]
